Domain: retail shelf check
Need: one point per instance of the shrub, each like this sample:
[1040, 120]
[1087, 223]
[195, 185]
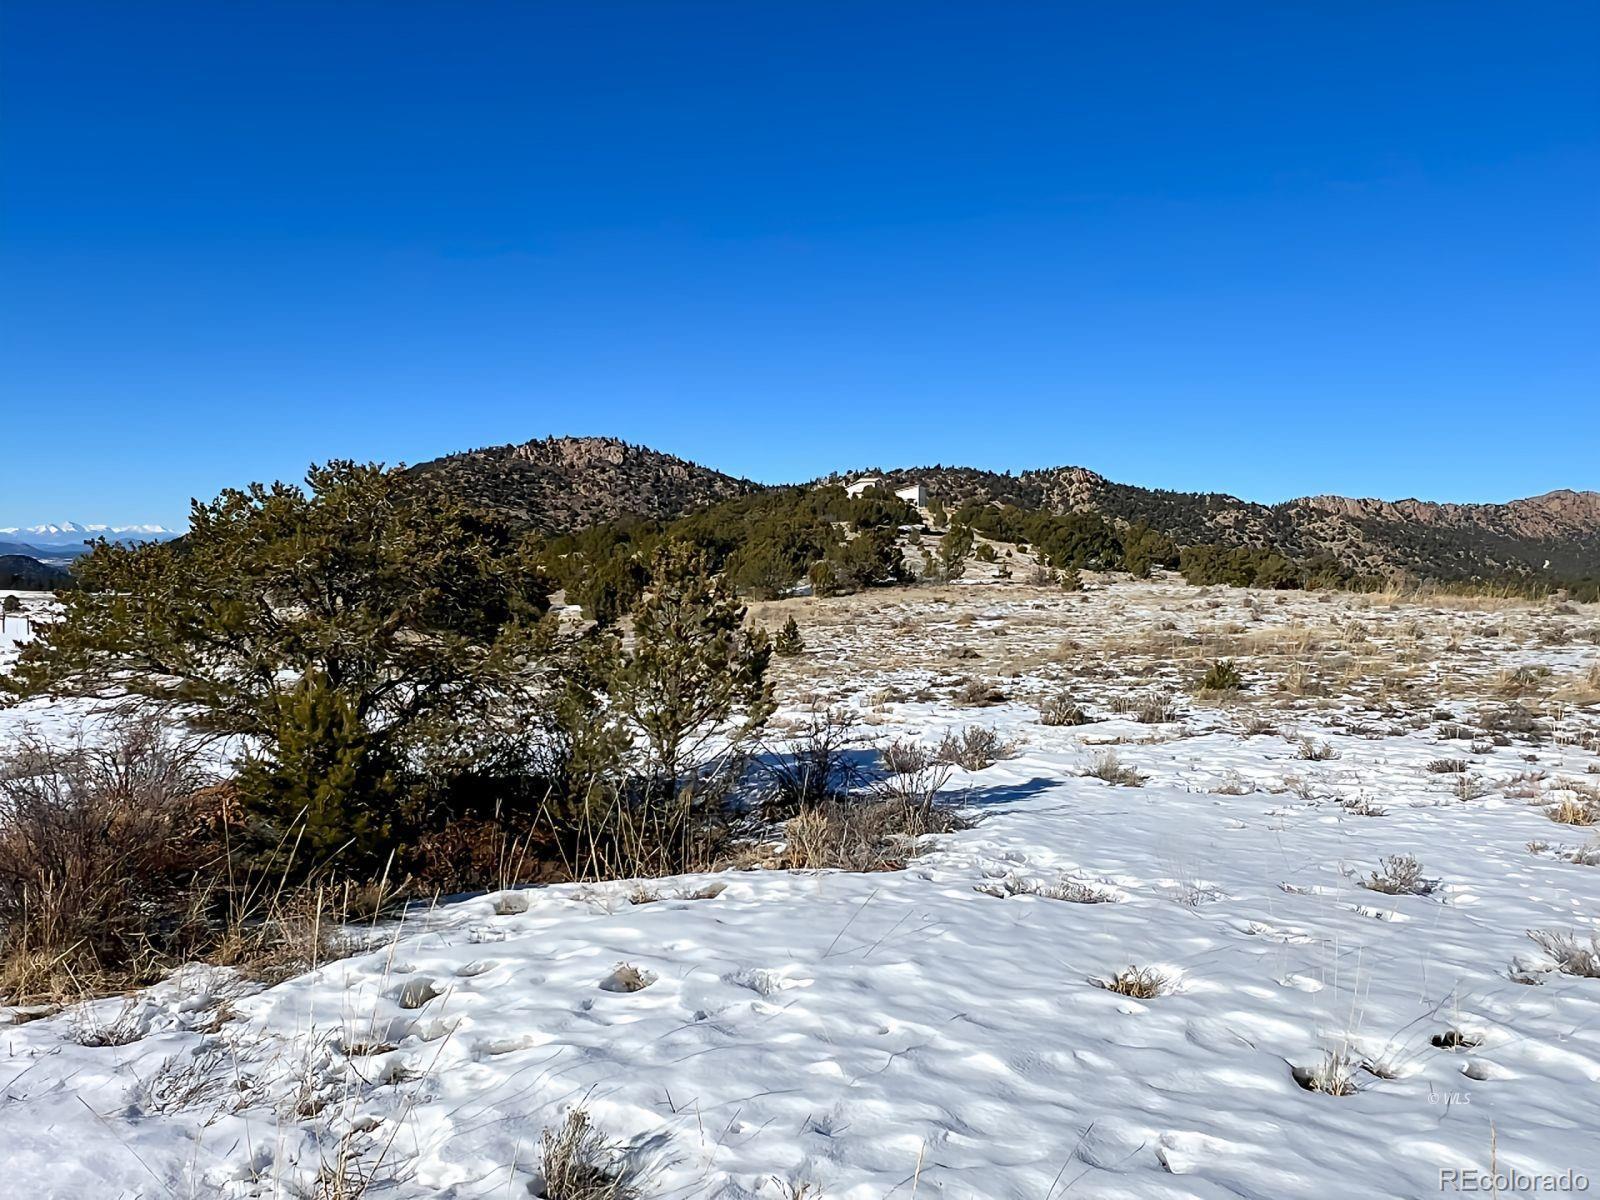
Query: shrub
[788, 643]
[814, 763]
[1105, 765]
[1400, 875]
[102, 850]
[954, 548]
[10, 604]
[347, 630]
[902, 755]
[694, 668]
[1061, 710]
[1313, 751]
[1221, 676]
[975, 748]
[979, 693]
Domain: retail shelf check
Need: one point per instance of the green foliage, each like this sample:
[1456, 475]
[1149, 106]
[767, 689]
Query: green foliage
[695, 673]
[788, 643]
[1143, 549]
[1071, 580]
[1237, 566]
[954, 548]
[986, 553]
[1221, 676]
[346, 631]
[870, 559]
[10, 604]
[323, 790]
[1076, 539]
[766, 543]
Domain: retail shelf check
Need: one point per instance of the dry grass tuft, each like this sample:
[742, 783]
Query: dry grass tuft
[1142, 983]
[1108, 767]
[1572, 956]
[581, 1163]
[1335, 1075]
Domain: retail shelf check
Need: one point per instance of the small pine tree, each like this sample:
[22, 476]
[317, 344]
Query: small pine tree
[788, 643]
[1071, 580]
[11, 604]
[322, 793]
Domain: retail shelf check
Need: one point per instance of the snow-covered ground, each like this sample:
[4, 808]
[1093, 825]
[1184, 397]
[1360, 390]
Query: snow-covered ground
[939, 1031]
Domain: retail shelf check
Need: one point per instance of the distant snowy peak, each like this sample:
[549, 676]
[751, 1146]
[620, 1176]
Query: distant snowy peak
[72, 531]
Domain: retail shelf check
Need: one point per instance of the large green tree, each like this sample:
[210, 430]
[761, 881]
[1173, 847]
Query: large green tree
[342, 629]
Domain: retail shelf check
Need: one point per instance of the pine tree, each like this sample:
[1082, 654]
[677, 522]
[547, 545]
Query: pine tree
[696, 675]
[788, 643]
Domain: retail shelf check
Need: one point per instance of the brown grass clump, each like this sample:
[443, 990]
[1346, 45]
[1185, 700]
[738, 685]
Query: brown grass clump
[1142, 983]
[581, 1163]
[863, 834]
[1108, 767]
[1572, 956]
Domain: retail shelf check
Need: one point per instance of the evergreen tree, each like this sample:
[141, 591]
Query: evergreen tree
[695, 675]
[342, 629]
[788, 643]
[954, 547]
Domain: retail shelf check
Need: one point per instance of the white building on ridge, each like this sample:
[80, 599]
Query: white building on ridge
[916, 493]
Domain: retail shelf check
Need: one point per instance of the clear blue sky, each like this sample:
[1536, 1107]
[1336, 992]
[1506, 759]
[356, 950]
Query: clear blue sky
[1271, 249]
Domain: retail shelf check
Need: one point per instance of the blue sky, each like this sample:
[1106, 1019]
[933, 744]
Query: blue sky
[1257, 248]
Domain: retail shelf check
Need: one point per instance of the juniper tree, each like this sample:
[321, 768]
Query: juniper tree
[336, 628]
[954, 547]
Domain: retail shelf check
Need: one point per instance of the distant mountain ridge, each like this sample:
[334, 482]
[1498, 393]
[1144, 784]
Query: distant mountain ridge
[71, 532]
[1557, 532]
[561, 484]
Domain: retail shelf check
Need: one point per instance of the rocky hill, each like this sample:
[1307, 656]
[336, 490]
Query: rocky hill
[1557, 533]
[556, 485]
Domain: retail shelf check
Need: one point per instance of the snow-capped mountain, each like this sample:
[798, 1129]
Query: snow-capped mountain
[71, 532]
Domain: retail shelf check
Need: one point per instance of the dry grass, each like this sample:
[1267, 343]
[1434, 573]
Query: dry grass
[862, 835]
[580, 1163]
[1334, 1075]
[1400, 875]
[1060, 710]
[1106, 766]
[1571, 954]
[1142, 983]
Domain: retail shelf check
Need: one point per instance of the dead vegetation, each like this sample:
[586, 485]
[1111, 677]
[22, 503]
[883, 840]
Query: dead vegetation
[1142, 983]
[579, 1162]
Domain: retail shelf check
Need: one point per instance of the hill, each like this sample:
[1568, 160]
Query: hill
[561, 485]
[1557, 533]
[557, 485]
[20, 573]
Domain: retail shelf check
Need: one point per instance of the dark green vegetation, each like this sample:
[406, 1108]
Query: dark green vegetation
[398, 704]
[764, 544]
[19, 573]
